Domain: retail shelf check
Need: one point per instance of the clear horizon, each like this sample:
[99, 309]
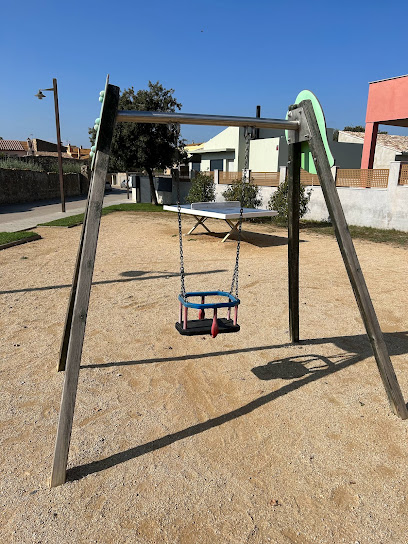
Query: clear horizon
[220, 58]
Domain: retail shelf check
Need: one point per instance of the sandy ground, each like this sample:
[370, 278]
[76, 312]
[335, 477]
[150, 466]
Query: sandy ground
[242, 438]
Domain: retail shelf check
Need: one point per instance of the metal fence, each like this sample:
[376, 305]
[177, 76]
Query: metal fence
[403, 179]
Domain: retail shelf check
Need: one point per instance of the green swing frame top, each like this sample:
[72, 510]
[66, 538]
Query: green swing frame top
[305, 135]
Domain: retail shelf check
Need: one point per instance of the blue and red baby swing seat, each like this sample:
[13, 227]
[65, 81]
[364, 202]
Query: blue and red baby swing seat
[203, 325]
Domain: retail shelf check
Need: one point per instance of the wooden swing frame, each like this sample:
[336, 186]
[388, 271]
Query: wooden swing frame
[305, 128]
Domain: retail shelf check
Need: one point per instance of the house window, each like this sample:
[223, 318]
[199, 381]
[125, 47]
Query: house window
[195, 166]
[216, 164]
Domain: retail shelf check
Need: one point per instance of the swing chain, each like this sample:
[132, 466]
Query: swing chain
[245, 179]
[176, 176]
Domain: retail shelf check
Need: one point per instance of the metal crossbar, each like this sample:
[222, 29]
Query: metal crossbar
[133, 116]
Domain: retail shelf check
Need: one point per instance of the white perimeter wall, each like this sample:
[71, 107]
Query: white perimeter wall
[378, 208]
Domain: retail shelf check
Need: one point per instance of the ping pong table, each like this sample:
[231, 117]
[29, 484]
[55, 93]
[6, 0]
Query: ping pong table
[228, 211]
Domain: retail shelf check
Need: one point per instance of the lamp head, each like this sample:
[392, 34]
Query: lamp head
[40, 95]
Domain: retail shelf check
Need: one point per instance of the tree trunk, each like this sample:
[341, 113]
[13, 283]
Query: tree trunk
[152, 189]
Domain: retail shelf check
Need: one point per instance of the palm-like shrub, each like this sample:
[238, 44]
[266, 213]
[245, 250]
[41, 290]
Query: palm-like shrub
[202, 189]
[251, 197]
[279, 201]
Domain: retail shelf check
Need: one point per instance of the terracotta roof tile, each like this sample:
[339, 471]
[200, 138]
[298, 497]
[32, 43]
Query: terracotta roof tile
[399, 143]
[11, 145]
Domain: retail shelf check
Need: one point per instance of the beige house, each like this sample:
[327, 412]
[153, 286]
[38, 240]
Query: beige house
[389, 148]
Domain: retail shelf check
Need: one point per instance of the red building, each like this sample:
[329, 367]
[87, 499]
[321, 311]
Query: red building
[387, 105]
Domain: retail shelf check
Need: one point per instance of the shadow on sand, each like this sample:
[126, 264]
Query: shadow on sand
[297, 369]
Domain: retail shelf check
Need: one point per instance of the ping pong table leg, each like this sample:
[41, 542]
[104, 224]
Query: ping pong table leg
[200, 221]
[234, 228]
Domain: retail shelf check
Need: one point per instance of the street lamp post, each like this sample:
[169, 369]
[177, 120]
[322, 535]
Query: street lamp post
[40, 96]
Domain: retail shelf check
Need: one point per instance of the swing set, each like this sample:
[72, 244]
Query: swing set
[308, 148]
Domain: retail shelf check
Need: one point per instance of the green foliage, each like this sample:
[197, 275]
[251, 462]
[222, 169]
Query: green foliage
[279, 201]
[92, 135]
[251, 197]
[7, 237]
[74, 220]
[385, 236]
[69, 166]
[8, 163]
[72, 167]
[357, 128]
[141, 145]
[202, 189]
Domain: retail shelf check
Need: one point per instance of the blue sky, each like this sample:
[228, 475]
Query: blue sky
[220, 57]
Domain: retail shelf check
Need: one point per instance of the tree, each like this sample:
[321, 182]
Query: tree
[142, 145]
[202, 188]
[279, 201]
[357, 128]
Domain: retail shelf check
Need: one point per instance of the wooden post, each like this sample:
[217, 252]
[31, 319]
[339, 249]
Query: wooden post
[293, 238]
[79, 315]
[352, 265]
[74, 332]
[68, 319]
[59, 151]
[104, 139]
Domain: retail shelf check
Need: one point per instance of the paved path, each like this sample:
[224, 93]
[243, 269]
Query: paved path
[25, 216]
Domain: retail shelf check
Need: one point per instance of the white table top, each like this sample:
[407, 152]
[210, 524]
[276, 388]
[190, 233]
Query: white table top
[220, 210]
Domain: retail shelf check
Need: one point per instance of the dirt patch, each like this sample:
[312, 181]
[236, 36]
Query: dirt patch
[242, 438]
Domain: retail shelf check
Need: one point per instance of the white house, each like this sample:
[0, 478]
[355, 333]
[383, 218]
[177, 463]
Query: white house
[267, 152]
[226, 152]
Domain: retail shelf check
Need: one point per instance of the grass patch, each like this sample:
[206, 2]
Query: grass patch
[70, 221]
[8, 237]
[382, 236]
[132, 207]
[79, 218]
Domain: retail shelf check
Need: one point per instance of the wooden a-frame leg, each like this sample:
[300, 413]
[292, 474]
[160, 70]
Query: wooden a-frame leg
[293, 238]
[79, 314]
[68, 319]
[352, 265]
